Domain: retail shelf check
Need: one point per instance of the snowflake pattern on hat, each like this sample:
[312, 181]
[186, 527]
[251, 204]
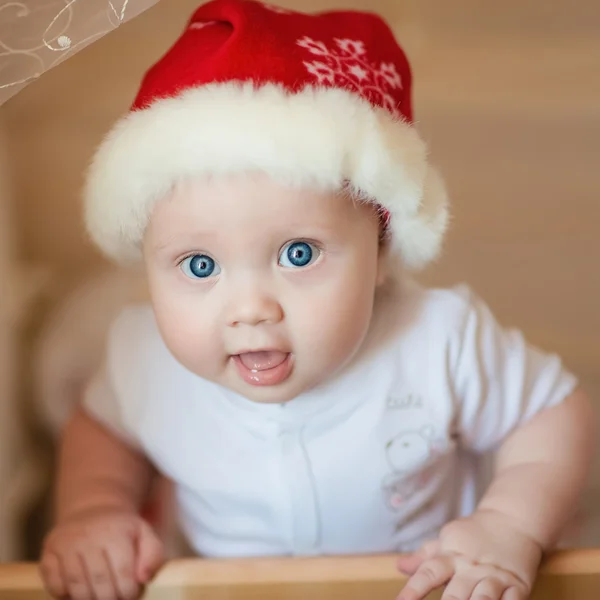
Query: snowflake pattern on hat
[348, 66]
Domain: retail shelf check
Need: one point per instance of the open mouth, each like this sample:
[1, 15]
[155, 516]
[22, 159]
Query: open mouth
[264, 367]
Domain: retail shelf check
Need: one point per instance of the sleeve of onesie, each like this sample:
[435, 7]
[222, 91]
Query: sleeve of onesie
[501, 381]
[104, 396]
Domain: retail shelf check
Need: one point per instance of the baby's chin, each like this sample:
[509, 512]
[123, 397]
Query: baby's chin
[273, 394]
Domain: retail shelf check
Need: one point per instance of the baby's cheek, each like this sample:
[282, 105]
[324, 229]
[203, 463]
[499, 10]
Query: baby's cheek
[333, 333]
[190, 343]
[352, 321]
[198, 355]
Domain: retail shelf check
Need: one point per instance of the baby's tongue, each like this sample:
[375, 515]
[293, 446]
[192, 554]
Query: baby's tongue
[261, 361]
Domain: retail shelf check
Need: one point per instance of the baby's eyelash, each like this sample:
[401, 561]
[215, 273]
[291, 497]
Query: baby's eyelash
[310, 241]
[181, 259]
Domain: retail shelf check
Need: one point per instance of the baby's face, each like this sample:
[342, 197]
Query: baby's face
[263, 289]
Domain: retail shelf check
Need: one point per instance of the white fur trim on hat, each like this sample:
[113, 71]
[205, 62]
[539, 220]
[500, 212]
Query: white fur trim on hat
[317, 137]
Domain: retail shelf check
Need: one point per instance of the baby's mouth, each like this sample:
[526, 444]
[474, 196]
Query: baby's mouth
[262, 359]
[264, 367]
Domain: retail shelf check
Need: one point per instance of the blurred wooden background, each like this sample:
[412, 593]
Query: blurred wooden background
[507, 94]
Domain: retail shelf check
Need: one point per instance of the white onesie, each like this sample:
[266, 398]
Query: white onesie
[375, 461]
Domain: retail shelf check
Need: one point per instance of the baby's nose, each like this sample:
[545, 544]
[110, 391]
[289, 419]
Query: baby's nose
[254, 307]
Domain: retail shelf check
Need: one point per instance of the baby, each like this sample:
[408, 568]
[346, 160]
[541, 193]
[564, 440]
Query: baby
[302, 392]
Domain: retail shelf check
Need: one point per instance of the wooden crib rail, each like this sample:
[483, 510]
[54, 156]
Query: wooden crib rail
[566, 575]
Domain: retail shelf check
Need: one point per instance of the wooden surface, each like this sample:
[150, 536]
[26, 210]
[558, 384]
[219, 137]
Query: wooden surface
[572, 575]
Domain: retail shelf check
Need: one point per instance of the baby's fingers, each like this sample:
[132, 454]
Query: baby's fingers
[431, 575]
[75, 577]
[463, 586]
[490, 588]
[150, 553]
[122, 562]
[51, 572]
[515, 593]
[409, 563]
[99, 574]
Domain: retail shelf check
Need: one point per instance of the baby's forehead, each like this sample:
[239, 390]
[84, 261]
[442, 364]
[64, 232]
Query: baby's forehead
[244, 194]
[256, 206]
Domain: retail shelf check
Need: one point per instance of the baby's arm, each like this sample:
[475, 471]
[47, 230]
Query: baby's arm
[100, 546]
[541, 472]
[98, 471]
[547, 462]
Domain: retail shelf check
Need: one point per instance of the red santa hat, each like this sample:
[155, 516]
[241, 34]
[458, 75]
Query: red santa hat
[320, 100]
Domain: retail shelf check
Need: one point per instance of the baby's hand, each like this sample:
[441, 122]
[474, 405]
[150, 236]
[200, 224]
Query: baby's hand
[102, 556]
[482, 557]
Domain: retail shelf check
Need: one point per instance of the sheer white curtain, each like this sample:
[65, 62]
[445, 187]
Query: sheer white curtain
[36, 35]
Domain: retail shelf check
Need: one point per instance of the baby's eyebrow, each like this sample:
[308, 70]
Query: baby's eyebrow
[179, 241]
[201, 239]
[300, 228]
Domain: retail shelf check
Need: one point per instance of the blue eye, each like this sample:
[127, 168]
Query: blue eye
[199, 266]
[298, 255]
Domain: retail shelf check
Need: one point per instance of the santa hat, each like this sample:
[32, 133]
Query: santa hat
[320, 100]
